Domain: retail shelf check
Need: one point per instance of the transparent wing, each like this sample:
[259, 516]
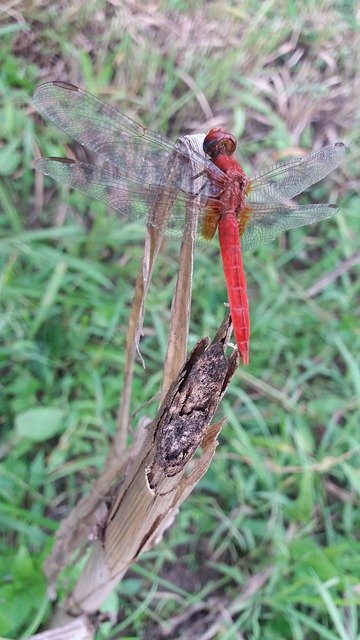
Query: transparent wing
[128, 198]
[139, 153]
[145, 165]
[134, 201]
[267, 222]
[287, 180]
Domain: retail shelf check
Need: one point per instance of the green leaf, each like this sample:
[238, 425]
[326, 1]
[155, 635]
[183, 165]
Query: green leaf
[23, 566]
[310, 558]
[39, 424]
[9, 158]
[301, 509]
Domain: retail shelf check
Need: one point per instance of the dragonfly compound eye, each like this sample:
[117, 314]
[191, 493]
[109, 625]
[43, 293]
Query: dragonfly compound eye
[218, 142]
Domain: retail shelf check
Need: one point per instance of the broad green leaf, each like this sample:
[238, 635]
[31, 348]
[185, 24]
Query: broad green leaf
[39, 424]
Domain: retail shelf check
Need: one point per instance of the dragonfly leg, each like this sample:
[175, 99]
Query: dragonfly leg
[201, 188]
[205, 184]
[202, 173]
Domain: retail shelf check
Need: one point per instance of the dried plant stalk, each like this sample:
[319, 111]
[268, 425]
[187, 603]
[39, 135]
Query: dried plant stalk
[79, 629]
[181, 305]
[157, 479]
[89, 512]
[140, 491]
[163, 473]
[160, 210]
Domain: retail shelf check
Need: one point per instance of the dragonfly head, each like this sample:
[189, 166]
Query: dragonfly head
[219, 142]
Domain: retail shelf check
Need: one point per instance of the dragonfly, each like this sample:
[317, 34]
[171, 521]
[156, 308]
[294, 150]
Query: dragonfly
[141, 164]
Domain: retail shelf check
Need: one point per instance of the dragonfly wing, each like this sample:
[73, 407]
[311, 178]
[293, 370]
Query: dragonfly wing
[267, 222]
[141, 154]
[130, 199]
[286, 180]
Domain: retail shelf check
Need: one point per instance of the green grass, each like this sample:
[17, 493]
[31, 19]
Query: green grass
[267, 546]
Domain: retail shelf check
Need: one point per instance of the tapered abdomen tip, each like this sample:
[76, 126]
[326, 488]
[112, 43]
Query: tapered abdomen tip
[244, 352]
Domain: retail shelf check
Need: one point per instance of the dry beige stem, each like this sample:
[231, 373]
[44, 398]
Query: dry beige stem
[90, 512]
[160, 210]
[180, 311]
[181, 305]
[160, 478]
[79, 629]
[140, 491]
[156, 479]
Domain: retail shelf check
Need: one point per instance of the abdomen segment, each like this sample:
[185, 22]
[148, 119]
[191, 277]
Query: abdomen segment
[230, 247]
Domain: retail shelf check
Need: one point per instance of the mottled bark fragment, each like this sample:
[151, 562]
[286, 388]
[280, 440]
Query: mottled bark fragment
[183, 426]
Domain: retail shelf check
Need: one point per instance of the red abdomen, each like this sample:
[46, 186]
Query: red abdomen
[229, 207]
[229, 239]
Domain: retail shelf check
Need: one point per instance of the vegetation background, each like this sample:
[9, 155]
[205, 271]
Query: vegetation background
[268, 545]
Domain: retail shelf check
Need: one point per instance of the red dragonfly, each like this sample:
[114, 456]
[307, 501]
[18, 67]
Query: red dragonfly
[143, 164]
